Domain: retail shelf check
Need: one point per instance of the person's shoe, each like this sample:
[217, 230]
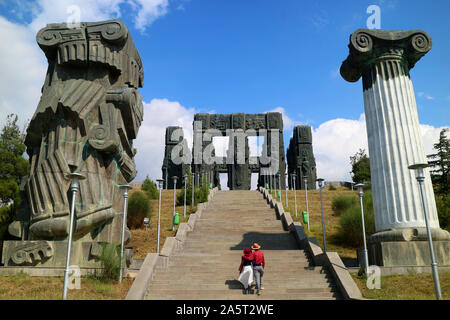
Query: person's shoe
[244, 291]
[262, 288]
[258, 293]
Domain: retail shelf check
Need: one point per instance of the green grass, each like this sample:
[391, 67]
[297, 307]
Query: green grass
[405, 287]
[24, 287]
[332, 228]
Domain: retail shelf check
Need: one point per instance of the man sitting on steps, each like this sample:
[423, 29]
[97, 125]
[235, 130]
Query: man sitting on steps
[258, 267]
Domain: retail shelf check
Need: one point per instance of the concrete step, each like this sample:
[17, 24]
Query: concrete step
[231, 275]
[206, 266]
[239, 296]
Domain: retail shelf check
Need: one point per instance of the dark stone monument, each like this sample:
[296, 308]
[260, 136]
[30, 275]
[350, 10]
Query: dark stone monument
[238, 164]
[88, 115]
[177, 145]
[301, 159]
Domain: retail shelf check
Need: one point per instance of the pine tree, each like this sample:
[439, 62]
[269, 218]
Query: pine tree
[149, 186]
[440, 164]
[12, 164]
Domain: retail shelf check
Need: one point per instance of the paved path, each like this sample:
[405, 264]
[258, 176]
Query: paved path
[207, 266]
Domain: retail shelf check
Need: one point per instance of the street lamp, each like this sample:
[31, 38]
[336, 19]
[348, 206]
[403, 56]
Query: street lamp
[125, 189]
[420, 178]
[287, 188]
[160, 186]
[295, 194]
[198, 179]
[74, 187]
[306, 196]
[270, 183]
[167, 179]
[279, 185]
[193, 190]
[323, 220]
[185, 185]
[366, 256]
[174, 191]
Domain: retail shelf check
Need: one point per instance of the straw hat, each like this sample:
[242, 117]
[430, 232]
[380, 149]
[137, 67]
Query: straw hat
[255, 246]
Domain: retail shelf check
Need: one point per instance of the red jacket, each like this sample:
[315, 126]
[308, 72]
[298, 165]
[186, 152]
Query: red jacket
[258, 258]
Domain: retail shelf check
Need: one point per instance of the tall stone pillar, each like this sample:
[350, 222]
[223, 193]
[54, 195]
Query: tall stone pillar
[383, 59]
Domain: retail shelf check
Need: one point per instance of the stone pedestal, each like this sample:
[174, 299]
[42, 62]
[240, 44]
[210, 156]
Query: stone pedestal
[408, 247]
[52, 254]
[383, 59]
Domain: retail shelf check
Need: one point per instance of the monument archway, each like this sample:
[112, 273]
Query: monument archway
[238, 164]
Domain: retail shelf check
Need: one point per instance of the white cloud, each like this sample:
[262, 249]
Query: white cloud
[288, 123]
[430, 136]
[150, 143]
[149, 11]
[421, 94]
[145, 12]
[23, 67]
[336, 140]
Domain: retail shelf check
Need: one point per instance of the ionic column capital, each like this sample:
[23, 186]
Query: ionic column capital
[366, 47]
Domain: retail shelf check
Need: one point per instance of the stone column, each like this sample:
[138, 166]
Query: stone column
[383, 59]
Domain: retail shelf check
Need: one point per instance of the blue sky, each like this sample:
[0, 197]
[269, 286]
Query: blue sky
[246, 56]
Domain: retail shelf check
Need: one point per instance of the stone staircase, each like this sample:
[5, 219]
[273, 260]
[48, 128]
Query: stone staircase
[206, 268]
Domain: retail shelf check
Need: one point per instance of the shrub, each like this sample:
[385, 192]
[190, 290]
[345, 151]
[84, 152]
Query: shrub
[343, 203]
[6, 217]
[443, 209]
[139, 207]
[331, 187]
[110, 260]
[201, 194]
[150, 188]
[350, 231]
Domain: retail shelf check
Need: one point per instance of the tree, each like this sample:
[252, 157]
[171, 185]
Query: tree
[440, 172]
[150, 188]
[360, 167]
[13, 166]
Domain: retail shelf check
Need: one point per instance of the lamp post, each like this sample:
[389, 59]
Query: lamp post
[185, 186]
[174, 191]
[279, 185]
[295, 194]
[193, 190]
[167, 179]
[125, 189]
[74, 187]
[287, 188]
[323, 220]
[160, 186]
[420, 178]
[366, 256]
[306, 196]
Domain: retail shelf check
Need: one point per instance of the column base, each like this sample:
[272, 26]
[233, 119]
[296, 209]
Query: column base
[52, 254]
[408, 247]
